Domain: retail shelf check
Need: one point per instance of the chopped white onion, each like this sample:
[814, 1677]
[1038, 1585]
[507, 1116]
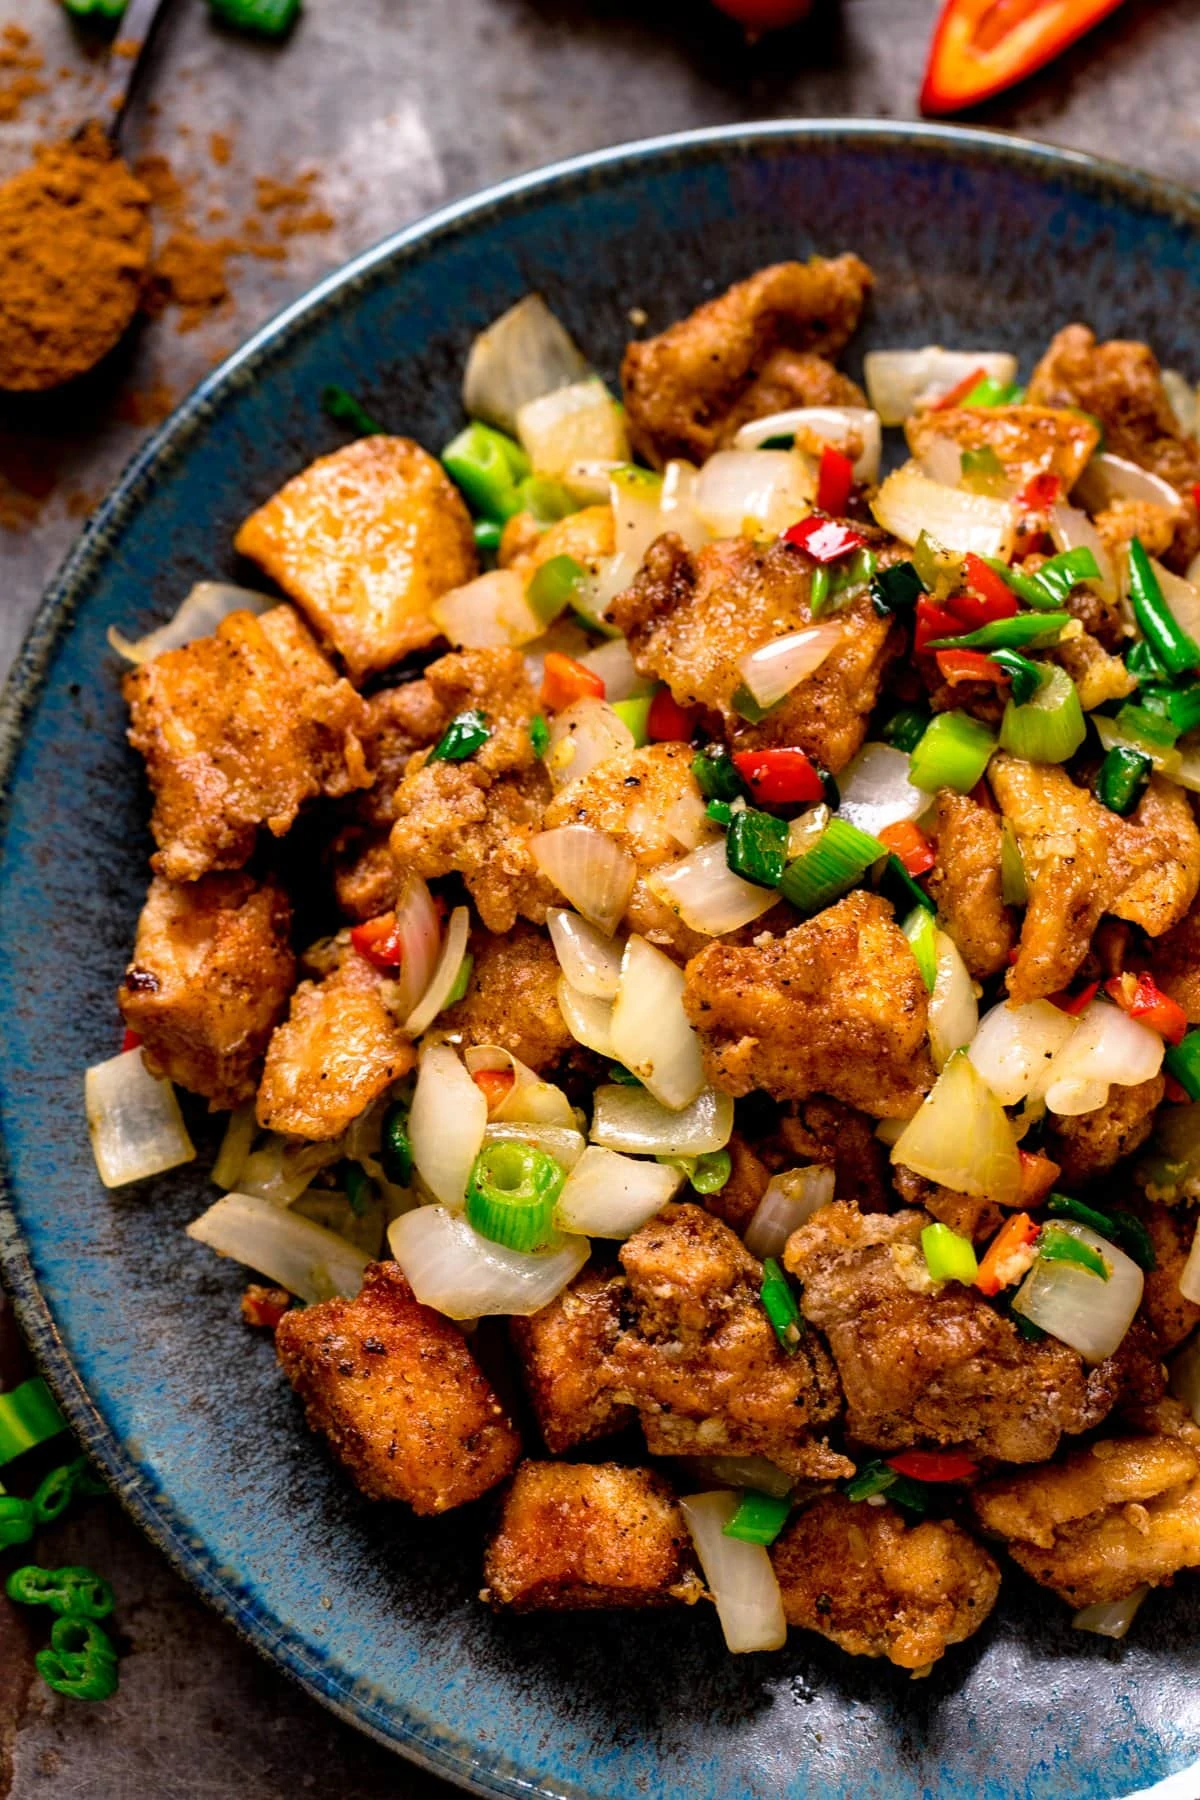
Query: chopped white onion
[1106, 1047]
[953, 1008]
[333, 1212]
[450, 1267]
[588, 1019]
[235, 1146]
[706, 894]
[582, 736]
[587, 480]
[1182, 597]
[1110, 1618]
[774, 669]
[1071, 529]
[739, 1575]
[444, 975]
[133, 1120]
[961, 1137]
[613, 663]
[1015, 1047]
[940, 458]
[1182, 398]
[1189, 1278]
[572, 424]
[562, 1142]
[837, 425]
[589, 960]
[909, 503]
[1184, 1380]
[651, 1034]
[611, 1196]
[287, 1248]
[206, 605]
[677, 505]
[631, 1119]
[686, 819]
[804, 830]
[589, 868]
[1077, 1307]
[523, 353]
[636, 496]
[529, 1100]
[876, 791]
[771, 487]
[488, 613]
[789, 1201]
[419, 934]
[900, 381]
[281, 1169]
[446, 1123]
[1107, 478]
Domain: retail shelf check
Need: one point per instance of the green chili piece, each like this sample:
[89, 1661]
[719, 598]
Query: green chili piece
[906, 728]
[818, 592]
[511, 1194]
[554, 586]
[898, 886]
[759, 1518]
[719, 811]
[635, 713]
[1057, 1245]
[340, 404]
[270, 17]
[896, 589]
[779, 1304]
[710, 1171]
[80, 1662]
[1121, 1227]
[57, 1490]
[395, 1150]
[912, 1495]
[1175, 649]
[756, 846]
[1123, 778]
[548, 501]
[18, 1521]
[466, 733]
[488, 533]
[74, 1593]
[990, 392]
[1025, 677]
[716, 776]
[1008, 634]
[1182, 1060]
[873, 1478]
[539, 734]
[488, 467]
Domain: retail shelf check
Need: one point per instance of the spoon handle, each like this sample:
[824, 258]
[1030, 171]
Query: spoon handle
[134, 32]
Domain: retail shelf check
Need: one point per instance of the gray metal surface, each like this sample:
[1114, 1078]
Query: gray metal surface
[400, 105]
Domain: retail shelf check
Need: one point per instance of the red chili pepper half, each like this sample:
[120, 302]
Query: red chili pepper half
[1142, 998]
[825, 540]
[934, 621]
[993, 592]
[834, 481]
[910, 844]
[1040, 493]
[968, 665]
[379, 941]
[933, 1465]
[981, 47]
[667, 722]
[779, 777]
[564, 680]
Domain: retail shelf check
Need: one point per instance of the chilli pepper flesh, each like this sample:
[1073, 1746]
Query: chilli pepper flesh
[981, 47]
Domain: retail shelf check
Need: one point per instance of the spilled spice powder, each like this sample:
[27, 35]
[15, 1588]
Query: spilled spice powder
[20, 72]
[146, 406]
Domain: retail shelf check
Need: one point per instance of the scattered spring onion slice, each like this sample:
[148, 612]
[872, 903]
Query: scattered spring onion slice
[791, 1198]
[779, 1304]
[1068, 1299]
[651, 1034]
[954, 752]
[631, 1119]
[738, 1575]
[948, 1256]
[759, 1518]
[446, 976]
[446, 1123]
[29, 1416]
[202, 611]
[288, 1249]
[589, 868]
[961, 1137]
[511, 1195]
[608, 1195]
[466, 733]
[134, 1121]
[839, 859]
[450, 1267]
[1050, 727]
[523, 354]
[1177, 651]
[339, 404]
[774, 669]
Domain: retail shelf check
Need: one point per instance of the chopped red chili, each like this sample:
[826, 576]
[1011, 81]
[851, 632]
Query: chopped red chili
[933, 1465]
[907, 841]
[131, 1041]
[564, 680]
[379, 941]
[953, 396]
[933, 621]
[825, 540]
[1075, 1003]
[968, 665]
[1142, 998]
[1038, 1175]
[1040, 492]
[834, 481]
[667, 722]
[779, 777]
[993, 591]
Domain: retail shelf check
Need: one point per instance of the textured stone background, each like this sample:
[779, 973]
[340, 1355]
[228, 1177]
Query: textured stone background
[401, 105]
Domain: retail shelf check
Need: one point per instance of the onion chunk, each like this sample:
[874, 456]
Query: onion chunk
[740, 1577]
[134, 1121]
[450, 1267]
[611, 1196]
[302, 1257]
[631, 1119]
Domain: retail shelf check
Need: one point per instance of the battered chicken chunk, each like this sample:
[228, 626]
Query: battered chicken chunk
[1098, 675]
[971, 1215]
[394, 1388]
[690, 618]
[588, 1535]
[1090, 1144]
[836, 1006]
[758, 348]
[365, 541]
[941, 1368]
[878, 1586]
[647, 800]
[1122, 1513]
[400, 720]
[749, 1178]
[238, 730]
[564, 1354]
[210, 977]
[700, 1360]
[338, 1050]
[1171, 1317]
[1120, 384]
[1175, 963]
[1082, 861]
[826, 1131]
[1027, 440]
[511, 997]
[476, 818]
[966, 883]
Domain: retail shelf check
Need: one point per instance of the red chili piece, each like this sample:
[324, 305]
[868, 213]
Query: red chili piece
[934, 621]
[1040, 492]
[131, 1041]
[1074, 1003]
[1142, 998]
[968, 665]
[933, 1465]
[379, 941]
[981, 47]
[667, 722]
[960, 390]
[825, 540]
[834, 481]
[910, 844]
[779, 777]
[993, 591]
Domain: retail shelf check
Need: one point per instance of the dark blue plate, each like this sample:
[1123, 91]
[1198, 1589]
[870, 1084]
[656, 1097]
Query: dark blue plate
[975, 240]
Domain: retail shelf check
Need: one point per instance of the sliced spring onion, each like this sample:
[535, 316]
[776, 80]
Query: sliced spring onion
[954, 752]
[590, 960]
[635, 716]
[1175, 649]
[446, 1123]
[756, 846]
[608, 1195]
[901, 381]
[1122, 779]
[775, 668]
[921, 932]
[466, 733]
[524, 353]
[450, 1267]
[706, 894]
[584, 735]
[589, 868]
[791, 1199]
[650, 1033]
[134, 1121]
[553, 586]
[511, 1195]
[207, 603]
[631, 1119]
[1015, 1047]
[948, 1256]
[779, 1304]
[840, 858]
[906, 727]
[1183, 1062]
[716, 774]
[587, 1018]
[279, 1243]
[961, 1138]
[446, 976]
[909, 504]
[953, 1008]
[577, 423]
[29, 1416]
[759, 1518]
[1110, 1618]
[739, 1575]
[1071, 1303]
[1057, 1245]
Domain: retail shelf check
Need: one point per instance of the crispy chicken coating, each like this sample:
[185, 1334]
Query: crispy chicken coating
[365, 541]
[837, 1005]
[1090, 1144]
[1171, 1231]
[396, 1391]
[1082, 861]
[941, 1367]
[690, 618]
[211, 972]
[756, 349]
[564, 1354]
[1175, 963]
[511, 998]
[238, 730]
[338, 1049]
[1027, 440]
[701, 1361]
[966, 883]
[878, 1586]
[400, 720]
[1123, 1513]
[588, 1535]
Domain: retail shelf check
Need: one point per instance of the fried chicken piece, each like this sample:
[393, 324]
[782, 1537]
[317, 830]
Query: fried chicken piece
[1082, 861]
[366, 881]
[941, 1367]
[1124, 519]
[476, 818]
[756, 349]
[971, 1215]
[396, 1391]
[511, 997]
[338, 1050]
[564, 1353]
[749, 1177]
[1121, 385]
[585, 1535]
[400, 721]
[1098, 675]
[1174, 962]
[689, 619]
[210, 977]
[826, 1131]
[365, 541]
[836, 1006]
[1171, 1229]
[1123, 1513]
[587, 535]
[966, 883]
[701, 1361]
[238, 730]
[1090, 1144]
[1027, 440]
[878, 1586]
